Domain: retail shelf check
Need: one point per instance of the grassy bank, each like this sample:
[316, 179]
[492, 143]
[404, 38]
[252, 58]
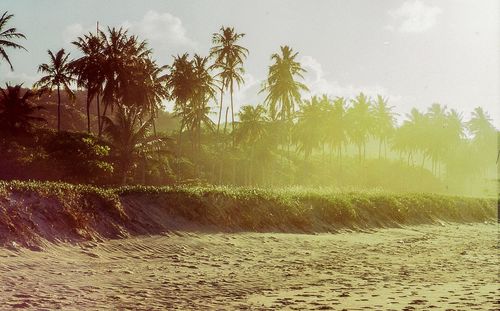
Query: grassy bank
[33, 212]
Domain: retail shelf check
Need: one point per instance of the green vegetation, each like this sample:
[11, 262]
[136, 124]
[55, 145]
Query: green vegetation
[292, 138]
[60, 211]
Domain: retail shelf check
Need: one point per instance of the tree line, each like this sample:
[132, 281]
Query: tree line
[275, 142]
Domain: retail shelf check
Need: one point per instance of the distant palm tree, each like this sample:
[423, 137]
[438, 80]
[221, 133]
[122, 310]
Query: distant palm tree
[336, 127]
[6, 36]
[252, 130]
[413, 136]
[309, 128]
[229, 57]
[484, 137]
[17, 109]
[480, 124]
[282, 87]
[59, 74]
[384, 120]
[437, 144]
[360, 123]
[252, 126]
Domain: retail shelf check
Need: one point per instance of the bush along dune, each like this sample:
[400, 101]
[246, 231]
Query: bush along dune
[33, 213]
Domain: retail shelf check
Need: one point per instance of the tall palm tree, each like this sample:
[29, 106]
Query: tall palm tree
[384, 120]
[6, 37]
[17, 109]
[154, 88]
[204, 91]
[282, 86]
[123, 68]
[180, 85]
[88, 69]
[229, 57]
[191, 86]
[58, 74]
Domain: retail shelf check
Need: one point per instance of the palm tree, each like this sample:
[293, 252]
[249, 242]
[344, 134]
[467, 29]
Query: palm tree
[6, 36]
[360, 122]
[252, 130]
[88, 69]
[229, 57]
[437, 116]
[252, 125]
[180, 84]
[308, 131]
[413, 135]
[484, 138]
[282, 87]
[384, 120]
[59, 73]
[191, 87]
[336, 127]
[154, 88]
[131, 142]
[480, 124]
[123, 69]
[204, 90]
[17, 109]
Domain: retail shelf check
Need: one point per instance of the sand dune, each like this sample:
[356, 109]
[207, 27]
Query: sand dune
[448, 267]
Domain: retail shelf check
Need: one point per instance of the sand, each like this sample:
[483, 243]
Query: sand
[448, 267]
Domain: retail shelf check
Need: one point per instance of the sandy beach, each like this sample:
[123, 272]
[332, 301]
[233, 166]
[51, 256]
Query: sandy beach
[447, 267]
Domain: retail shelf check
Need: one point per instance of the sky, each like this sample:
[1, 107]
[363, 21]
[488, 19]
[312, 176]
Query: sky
[414, 52]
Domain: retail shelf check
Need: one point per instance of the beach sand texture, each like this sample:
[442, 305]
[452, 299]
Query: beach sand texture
[429, 267]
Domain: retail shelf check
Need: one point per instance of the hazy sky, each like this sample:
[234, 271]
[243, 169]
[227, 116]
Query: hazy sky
[416, 52]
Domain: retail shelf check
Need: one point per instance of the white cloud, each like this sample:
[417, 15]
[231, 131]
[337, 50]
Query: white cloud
[164, 31]
[414, 16]
[318, 83]
[14, 77]
[71, 32]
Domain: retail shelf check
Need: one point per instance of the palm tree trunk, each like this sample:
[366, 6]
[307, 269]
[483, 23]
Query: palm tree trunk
[250, 170]
[180, 135]
[232, 112]
[385, 149]
[58, 109]
[99, 127]
[380, 148]
[88, 113]
[220, 108]
[104, 114]
[225, 124]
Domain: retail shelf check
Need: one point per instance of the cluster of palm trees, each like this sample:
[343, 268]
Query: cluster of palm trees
[128, 88]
